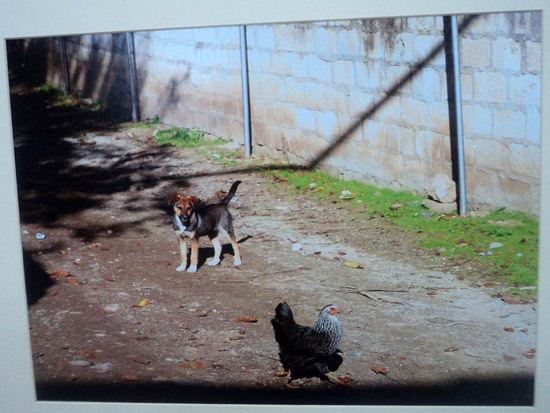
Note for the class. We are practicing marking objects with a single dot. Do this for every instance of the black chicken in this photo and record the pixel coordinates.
(308, 351)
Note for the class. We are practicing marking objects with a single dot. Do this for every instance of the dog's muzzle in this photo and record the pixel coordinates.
(179, 223)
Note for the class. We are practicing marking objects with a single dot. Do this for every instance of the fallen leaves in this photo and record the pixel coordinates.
(353, 265)
(73, 281)
(246, 319)
(59, 273)
(142, 361)
(512, 300)
(236, 338)
(195, 365)
(380, 370)
(88, 354)
(142, 303)
(345, 380)
(129, 377)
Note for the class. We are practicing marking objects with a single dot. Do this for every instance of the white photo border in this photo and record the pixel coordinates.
(38, 18)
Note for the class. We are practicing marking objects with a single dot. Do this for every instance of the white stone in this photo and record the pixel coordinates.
(442, 189)
(446, 208)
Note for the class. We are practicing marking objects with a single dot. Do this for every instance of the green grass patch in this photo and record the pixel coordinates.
(55, 97)
(185, 138)
(467, 239)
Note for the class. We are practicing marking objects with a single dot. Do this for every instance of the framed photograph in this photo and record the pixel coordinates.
(323, 141)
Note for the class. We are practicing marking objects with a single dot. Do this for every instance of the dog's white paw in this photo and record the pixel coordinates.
(213, 262)
(192, 268)
(181, 268)
(236, 263)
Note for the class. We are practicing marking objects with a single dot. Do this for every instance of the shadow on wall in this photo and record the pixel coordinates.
(97, 68)
(104, 75)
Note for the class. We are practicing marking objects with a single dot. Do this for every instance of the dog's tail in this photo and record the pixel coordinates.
(231, 192)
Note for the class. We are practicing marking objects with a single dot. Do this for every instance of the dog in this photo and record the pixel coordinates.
(194, 218)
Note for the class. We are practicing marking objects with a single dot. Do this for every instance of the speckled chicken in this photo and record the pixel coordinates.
(308, 351)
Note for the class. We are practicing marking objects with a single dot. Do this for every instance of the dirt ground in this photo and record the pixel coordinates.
(111, 319)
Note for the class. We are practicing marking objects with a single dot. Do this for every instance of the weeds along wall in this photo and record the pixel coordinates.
(310, 81)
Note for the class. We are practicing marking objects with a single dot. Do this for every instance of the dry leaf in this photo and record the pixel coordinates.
(62, 252)
(509, 329)
(235, 338)
(353, 265)
(142, 361)
(380, 370)
(512, 300)
(450, 349)
(129, 377)
(59, 273)
(304, 268)
(55, 292)
(246, 319)
(345, 380)
(199, 366)
(401, 358)
(432, 292)
(88, 354)
(142, 303)
(142, 338)
(71, 281)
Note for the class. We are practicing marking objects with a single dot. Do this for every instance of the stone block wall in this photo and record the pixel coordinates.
(192, 78)
(310, 81)
(328, 74)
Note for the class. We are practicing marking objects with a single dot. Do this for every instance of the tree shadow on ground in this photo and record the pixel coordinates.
(37, 281)
(50, 187)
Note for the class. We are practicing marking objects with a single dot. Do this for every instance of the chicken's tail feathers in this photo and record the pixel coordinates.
(283, 312)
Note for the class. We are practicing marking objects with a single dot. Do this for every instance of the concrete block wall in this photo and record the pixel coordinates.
(192, 78)
(501, 78)
(321, 77)
(310, 81)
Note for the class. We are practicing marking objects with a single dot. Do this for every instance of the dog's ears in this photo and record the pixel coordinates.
(174, 197)
(194, 200)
